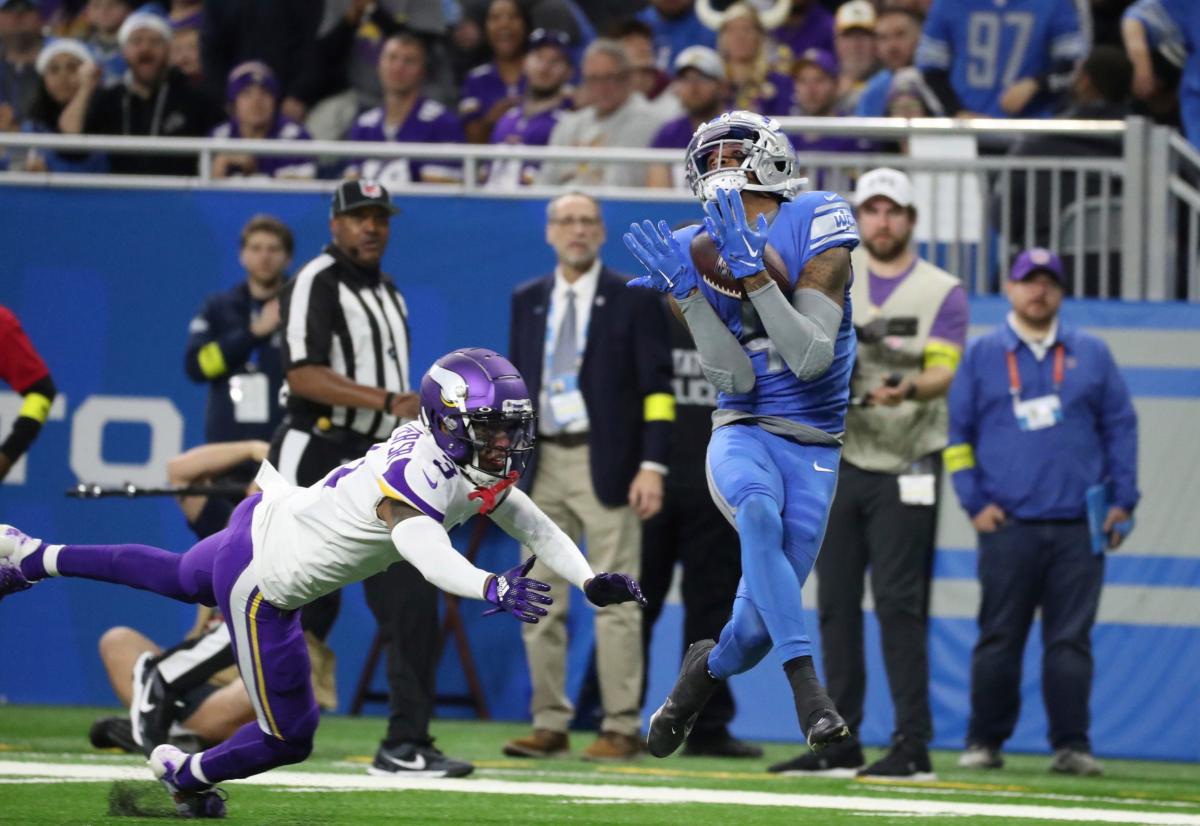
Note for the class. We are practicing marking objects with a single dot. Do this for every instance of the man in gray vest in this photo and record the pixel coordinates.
(913, 319)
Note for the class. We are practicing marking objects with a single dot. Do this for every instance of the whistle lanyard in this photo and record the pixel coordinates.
(1014, 374)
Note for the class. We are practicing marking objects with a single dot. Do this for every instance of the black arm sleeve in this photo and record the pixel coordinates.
(25, 428)
(938, 81)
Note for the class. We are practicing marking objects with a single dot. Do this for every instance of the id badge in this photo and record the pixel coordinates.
(1039, 413)
(918, 489)
(250, 393)
(566, 401)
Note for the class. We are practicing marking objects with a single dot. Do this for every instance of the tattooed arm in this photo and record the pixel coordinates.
(803, 332)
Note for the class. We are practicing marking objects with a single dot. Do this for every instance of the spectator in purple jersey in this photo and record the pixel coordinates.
(405, 116)
(809, 25)
(494, 88)
(700, 84)
(816, 76)
(548, 71)
(252, 95)
(742, 42)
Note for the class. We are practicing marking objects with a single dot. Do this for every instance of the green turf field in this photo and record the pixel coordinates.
(50, 775)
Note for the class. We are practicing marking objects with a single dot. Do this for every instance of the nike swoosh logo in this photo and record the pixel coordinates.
(146, 707)
(416, 764)
(749, 247)
(433, 484)
(817, 467)
(832, 197)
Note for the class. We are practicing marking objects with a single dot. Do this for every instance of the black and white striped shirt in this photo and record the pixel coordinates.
(337, 314)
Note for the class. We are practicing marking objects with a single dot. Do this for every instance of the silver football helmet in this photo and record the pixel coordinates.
(765, 153)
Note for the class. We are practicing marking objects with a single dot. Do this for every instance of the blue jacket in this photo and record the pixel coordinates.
(220, 345)
(1040, 474)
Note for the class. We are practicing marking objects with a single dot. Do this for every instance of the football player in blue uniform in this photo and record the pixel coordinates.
(1003, 59)
(781, 360)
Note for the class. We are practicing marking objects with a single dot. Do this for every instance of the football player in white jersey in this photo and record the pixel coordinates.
(288, 546)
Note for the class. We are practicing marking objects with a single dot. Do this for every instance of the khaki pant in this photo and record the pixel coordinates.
(563, 490)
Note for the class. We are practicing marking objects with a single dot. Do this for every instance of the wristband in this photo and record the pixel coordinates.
(388, 398)
(911, 392)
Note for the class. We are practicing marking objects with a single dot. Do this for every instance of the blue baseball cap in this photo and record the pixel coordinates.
(1035, 260)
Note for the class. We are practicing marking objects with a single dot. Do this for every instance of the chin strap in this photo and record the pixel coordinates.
(489, 495)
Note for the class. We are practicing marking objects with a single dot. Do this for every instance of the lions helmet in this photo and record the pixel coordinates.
(478, 408)
(767, 163)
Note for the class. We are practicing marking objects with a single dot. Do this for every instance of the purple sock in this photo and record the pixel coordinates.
(32, 566)
(138, 566)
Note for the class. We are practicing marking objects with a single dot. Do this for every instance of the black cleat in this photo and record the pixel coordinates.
(829, 728)
(153, 709)
(907, 759)
(113, 733)
(720, 745)
(842, 759)
(672, 722)
(417, 760)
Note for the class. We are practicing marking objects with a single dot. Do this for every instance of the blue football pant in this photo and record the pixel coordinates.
(777, 494)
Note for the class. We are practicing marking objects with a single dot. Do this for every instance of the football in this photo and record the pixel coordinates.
(715, 271)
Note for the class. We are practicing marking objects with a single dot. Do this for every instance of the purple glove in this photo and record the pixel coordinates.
(613, 589)
(515, 593)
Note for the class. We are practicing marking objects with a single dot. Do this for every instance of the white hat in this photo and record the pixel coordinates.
(856, 14)
(886, 182)
(143, 20)
(62, 45)
(703, 59)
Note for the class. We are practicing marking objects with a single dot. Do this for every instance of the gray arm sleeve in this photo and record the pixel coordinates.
(804, 334)
(722, 358)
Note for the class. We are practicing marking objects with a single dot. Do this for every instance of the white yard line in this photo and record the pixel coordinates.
(65, 772)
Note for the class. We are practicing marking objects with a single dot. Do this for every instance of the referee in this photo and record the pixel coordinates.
(345, 356)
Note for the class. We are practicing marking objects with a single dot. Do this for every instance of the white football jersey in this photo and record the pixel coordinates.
(311, 541)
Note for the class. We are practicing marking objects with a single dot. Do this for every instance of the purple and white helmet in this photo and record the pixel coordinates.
(477, 407)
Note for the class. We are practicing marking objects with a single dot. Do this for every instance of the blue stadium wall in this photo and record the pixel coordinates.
(106, 281)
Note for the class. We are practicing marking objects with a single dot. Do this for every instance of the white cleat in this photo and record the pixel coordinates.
(165, 762)
(16, 545)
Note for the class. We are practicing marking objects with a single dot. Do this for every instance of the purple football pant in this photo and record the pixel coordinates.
(268, 642)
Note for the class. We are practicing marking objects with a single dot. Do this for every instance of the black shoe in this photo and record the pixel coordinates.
(722, 744)
(673, 721)
(417, 760)
(907, 759)
(828, 729)
(113, 733)
(838, 760)
(153, 708)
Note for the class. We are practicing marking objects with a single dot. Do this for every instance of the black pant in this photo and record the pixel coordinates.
(403, 602)
(1024, 566)
(690, 530)
(870, 529)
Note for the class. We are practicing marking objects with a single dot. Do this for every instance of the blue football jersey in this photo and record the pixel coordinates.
(802, 229)
(986, 45)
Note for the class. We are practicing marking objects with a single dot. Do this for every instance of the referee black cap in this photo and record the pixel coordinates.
(352, 195)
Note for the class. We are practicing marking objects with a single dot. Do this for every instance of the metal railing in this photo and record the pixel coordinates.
(1127, 225)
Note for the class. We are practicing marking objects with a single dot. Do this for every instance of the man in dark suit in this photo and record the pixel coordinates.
(597, 357)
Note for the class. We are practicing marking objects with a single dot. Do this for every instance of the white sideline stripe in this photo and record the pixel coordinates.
(639, 794)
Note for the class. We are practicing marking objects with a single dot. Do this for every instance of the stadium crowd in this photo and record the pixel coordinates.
(578, 73)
